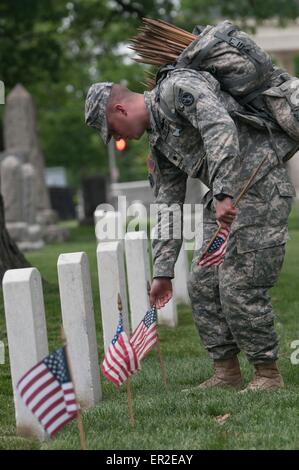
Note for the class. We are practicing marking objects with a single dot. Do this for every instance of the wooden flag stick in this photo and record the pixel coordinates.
(119, 304)
(130, 402)
(128, 381)
(159, 42)
(248, 184)
(78, 412)
(239, 197)
(162, 367)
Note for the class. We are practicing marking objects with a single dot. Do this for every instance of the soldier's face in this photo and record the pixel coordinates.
(123, 123)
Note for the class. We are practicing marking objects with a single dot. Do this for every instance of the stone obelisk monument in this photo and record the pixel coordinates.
(30, 212)
(20, 139)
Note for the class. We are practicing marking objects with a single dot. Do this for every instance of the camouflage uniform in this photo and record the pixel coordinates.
(209, 138)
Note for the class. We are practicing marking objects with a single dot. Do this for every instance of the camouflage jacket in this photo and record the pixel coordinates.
(205, 135)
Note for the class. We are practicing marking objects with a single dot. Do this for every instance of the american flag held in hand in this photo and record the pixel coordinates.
(215, 254)
(145, 335)
(120, 359)
(48, 392)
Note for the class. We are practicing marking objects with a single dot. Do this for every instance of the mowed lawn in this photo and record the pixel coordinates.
(166, 418)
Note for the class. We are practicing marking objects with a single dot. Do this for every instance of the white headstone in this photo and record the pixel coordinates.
(112, 281)
(2, 353)
(79, 325)
(136, 247)
(168, 314)
(181, 275)
(27, 337)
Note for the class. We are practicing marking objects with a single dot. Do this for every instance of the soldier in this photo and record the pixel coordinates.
(197, 130)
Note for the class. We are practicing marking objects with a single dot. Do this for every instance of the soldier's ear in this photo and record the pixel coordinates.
(120, 108)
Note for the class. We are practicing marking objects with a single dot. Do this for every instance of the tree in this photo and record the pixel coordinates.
(205, 11)
(58, 49)
(25, 34)
(51, 48)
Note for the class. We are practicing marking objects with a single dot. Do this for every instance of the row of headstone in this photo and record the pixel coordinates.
(25, 315)
(110, 226)
(26, 323)
(113, 228)
(27, 331)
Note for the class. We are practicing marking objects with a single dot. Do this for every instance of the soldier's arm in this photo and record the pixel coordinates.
(170, 195)
(197, 101)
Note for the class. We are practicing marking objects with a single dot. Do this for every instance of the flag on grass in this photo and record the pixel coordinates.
(144, 337)
(216, 252)
(48, 392)
(120, 359)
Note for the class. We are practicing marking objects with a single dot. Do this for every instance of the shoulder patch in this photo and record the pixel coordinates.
(186, 98)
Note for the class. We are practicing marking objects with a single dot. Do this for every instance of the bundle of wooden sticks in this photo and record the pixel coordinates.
(159, 43)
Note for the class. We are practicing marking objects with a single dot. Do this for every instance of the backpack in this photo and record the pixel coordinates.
(243, 69)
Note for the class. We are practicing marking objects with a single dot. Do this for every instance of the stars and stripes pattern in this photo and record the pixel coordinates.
(145, 335)
(216, 252)
(120, 359)
(48, 392)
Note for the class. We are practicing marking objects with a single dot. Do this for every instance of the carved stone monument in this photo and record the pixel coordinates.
(29, 204)
(18, 183)
(20, 138)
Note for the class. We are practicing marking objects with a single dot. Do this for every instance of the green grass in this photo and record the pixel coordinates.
(166, 418)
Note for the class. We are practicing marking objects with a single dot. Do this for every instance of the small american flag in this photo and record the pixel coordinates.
(120, 359)
(145, 335)
(216, 252)
(48, 392)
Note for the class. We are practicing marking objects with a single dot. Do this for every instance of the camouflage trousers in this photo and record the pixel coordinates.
(231, 306)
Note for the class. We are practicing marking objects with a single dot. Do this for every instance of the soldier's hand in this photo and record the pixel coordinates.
(161, 292)
(225, 211)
